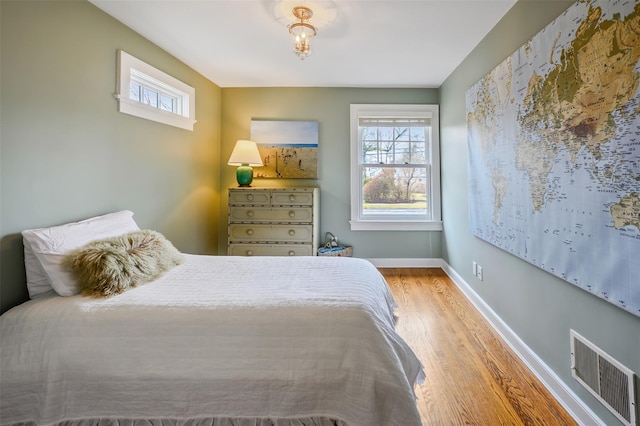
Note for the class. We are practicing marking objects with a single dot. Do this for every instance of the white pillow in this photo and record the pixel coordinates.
(44, 249)
(37, 281)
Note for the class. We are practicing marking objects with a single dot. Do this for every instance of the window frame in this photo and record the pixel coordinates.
(432, 162)
(131, 69)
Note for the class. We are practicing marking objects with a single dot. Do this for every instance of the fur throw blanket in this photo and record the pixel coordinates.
(108, 267)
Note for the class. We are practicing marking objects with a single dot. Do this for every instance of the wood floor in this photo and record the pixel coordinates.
(473, 377)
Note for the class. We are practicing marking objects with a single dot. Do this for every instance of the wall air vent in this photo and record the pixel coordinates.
(608, 380)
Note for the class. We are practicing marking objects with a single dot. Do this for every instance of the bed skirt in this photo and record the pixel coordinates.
(235, 421)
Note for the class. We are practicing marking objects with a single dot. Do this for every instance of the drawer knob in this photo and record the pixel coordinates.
(250, 197)
(249, 253)
(292, 232)
(292, 214)
(292, 197)
(292, 253)
(249, 231)
(250, 213)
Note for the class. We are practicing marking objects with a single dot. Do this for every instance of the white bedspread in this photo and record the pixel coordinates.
(218, 340)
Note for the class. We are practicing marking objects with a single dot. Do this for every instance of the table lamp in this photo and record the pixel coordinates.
(245, 154)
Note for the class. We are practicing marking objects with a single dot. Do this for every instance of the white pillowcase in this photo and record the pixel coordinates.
(44, 249)
(37, 281)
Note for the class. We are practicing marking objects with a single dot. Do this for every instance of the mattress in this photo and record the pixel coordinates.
(218, 340)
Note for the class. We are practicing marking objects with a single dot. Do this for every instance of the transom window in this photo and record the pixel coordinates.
(141, 91)
(146, 92)
(395, 174)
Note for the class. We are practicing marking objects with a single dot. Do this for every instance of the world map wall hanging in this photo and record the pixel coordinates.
(554, 151)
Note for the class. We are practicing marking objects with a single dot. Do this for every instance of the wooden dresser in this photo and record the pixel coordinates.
(273, 221)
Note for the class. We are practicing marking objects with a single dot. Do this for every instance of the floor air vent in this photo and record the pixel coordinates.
(607, 379)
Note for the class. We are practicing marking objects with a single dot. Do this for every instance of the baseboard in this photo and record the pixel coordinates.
(407, 263)
(565, 396)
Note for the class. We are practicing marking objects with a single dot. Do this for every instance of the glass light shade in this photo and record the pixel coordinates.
(245, 154)
(302, 47)
(302, 31)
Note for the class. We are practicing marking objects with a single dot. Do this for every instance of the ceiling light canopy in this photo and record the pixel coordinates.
(302, 31)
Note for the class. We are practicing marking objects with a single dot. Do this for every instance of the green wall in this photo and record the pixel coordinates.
(330, 107)
(67, 153)
(539, 307)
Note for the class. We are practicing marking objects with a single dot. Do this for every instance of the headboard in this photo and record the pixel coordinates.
(13, 281)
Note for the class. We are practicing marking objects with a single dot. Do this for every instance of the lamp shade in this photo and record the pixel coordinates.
(245, 153)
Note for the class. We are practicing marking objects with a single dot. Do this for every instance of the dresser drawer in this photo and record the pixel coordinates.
(247, 232)
(291, 198)
(270, 250)
(250, 197)
(264, 214)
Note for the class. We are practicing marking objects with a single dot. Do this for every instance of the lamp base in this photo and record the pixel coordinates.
(244, 175)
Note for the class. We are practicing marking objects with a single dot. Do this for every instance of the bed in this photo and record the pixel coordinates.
(215, 340)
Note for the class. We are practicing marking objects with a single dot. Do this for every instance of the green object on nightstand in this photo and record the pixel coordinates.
(244, 175)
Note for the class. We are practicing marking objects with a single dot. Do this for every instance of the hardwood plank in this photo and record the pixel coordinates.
(473, 377)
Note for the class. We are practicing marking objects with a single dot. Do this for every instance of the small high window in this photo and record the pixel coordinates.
(147, 92)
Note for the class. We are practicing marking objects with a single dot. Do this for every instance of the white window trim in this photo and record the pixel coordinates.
(387, 110)
(130, 68)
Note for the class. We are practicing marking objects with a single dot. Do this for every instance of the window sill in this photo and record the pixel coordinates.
(389, 225)
(154, 114)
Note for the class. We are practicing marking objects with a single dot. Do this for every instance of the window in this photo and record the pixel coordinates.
(147, 92)
(395, 173)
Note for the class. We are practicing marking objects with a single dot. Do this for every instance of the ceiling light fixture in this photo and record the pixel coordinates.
(302, 31)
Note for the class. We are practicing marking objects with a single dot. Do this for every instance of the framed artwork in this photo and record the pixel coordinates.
(289, 149)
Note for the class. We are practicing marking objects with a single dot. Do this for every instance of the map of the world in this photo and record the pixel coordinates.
(554, 151)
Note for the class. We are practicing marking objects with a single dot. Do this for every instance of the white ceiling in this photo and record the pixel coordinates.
(360, 43)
